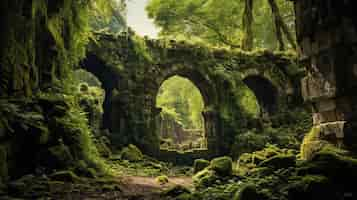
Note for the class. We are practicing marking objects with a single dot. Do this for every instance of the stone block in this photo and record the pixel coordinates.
(325, 105)
(333, 129)
(316, 88)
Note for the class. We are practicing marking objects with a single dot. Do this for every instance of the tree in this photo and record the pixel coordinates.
(280, 26)
(247, 37)
(245, 24)
(114, 22)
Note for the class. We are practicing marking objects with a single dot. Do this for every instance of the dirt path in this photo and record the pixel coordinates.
(136, 187)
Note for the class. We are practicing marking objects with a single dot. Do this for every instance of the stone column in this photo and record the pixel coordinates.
(326, 33)
(211, 132)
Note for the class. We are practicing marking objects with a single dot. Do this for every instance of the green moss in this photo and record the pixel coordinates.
(65, 176)
(60, 156)
(279, 161)
(176, 191)
(205, 178)
(163, 179)
(311, 143)
(131, 153)
(200, 164)
(247, 192)
(222, 165)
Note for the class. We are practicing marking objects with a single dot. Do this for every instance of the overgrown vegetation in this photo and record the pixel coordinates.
(245, 24)
(181, 121)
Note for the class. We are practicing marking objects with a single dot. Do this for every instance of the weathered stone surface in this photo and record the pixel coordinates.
(317, 88)
(326, 32)
(213, 71)
(334, 129)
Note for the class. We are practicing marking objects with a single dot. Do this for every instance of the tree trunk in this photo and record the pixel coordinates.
(280, 26)
(247, 39)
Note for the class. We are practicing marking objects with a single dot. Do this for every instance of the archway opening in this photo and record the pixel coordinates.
(181, 125)
(265, 92)
(91, 98)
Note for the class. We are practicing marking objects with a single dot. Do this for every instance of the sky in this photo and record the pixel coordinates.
(137, 19)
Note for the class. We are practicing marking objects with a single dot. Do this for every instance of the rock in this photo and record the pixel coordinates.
(200, 164)
(311, 187)
(222, 165)
(279, 161)
(162, 179)
(248, 192)
(175, 191)
(65, 176)
(205, 178)
(131, 153)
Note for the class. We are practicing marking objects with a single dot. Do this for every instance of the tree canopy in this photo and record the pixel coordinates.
(243, 24)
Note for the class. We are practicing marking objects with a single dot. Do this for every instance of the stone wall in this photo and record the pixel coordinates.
(132, 69)
(327, 35)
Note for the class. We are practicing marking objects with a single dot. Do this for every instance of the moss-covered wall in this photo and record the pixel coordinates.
(327, 32)
(134, 68)
(41, 123)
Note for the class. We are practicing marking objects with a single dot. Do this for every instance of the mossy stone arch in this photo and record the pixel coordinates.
(278, 87)
(142, 65)
(207, 89)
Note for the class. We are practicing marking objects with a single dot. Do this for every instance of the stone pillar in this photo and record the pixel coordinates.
(327, 36)
(213, 142)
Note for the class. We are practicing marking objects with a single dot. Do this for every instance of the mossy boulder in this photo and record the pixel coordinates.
(222, 165)
(65, 176)
(200, 164)
(311, 187)
(279, 161)
(248, 192)
(162, 179)
(205, 178)
(131, 153)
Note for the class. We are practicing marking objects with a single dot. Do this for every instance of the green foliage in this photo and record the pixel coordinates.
(205, 178)
(180, 98)
(115, 22)
(248, 101)
(218, 22)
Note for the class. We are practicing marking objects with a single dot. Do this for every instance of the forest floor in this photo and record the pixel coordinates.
(136, 187)
(119, 188)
